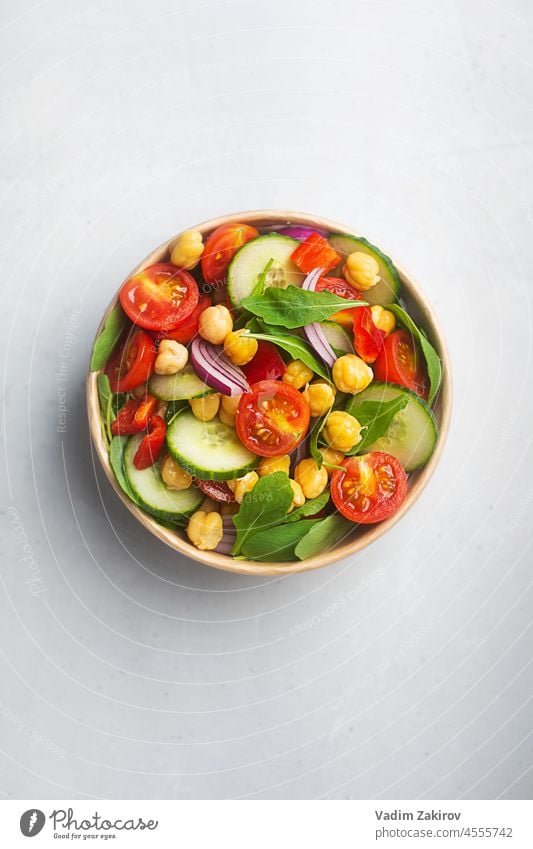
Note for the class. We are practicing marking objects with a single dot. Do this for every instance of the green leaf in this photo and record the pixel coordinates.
(116, 458)
(104, 391)
(263, 507)
(259, 287)
(267, 546)
(174, 408)
(431, 357)
(107, 338)
(295, 307)
(323, 535)
(314, 505)
(296, 347)
(376, 417)
(313, 442)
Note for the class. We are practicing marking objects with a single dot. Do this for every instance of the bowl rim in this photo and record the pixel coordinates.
(350, 546)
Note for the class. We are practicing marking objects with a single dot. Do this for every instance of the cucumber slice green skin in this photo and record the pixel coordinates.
(178, 387)
(388, 289)
(152, 495)
(250, 261)
(209, 450)
(413, 434)
(338, 337)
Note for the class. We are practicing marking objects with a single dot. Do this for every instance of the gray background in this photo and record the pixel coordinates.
(130, 672)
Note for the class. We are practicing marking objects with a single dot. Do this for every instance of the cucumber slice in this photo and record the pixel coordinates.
(412, 434)
(151, 493)
(250, 261)
(177, 387)
(338, 337)
(210, 450)
(388, 289)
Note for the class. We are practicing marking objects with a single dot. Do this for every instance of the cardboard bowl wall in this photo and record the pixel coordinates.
(361, 536)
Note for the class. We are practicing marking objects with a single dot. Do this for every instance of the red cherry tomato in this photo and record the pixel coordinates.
(133, 416)
(266, 365)
(150, 446)
(217, 490)
(315, 252)
(401, 361)
(272, 419)
(221, 247)
(367, 338)
(370, 488)
(340, 287)
(132, 363)
(186, 332)
(160, 297)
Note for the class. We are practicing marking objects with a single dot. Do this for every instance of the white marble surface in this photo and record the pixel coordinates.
(129, 672)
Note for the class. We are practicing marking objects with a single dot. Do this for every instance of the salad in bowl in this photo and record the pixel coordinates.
(268, 392)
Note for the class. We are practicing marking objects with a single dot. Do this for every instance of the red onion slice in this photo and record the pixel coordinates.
(213, 367)
(313, 332)
(301, 232)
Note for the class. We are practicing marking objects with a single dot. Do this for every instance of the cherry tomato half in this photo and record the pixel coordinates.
(160, 297)
(186, 332)
(221, 247)
(370, 488)
(150, 445)
(266, 365)
(272, 419)
(367, 338)
(401, 361)
(340, 287)
(132, 363)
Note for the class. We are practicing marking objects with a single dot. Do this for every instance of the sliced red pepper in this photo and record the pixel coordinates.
(339, 286)
(315, 252)
(266, 365)
(133, 416)
(151, 444)
(367, 338)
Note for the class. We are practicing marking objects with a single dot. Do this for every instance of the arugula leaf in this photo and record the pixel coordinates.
(431, 357)
(313, 442)
(314, 505)
(267, 546)
(296, 347)
(104, 391)
(263, 507)
(376, 417)
(295, 307)
(107, 338)
(323, 535)
(259, 287)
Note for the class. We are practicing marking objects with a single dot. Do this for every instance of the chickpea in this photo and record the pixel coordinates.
(312, 480)
(351, 374)
(228, 409)
(174, 476)
(187, 249)
(320, 396)
(361, 270)
(297, 374)
(171, 357)
(240, 347)
(342, 431)
(298, 498)
(215, 323)
(269, 465)
(240, 486)
(205, 530)
(331, 458)
(205, 408)
(383, 319)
